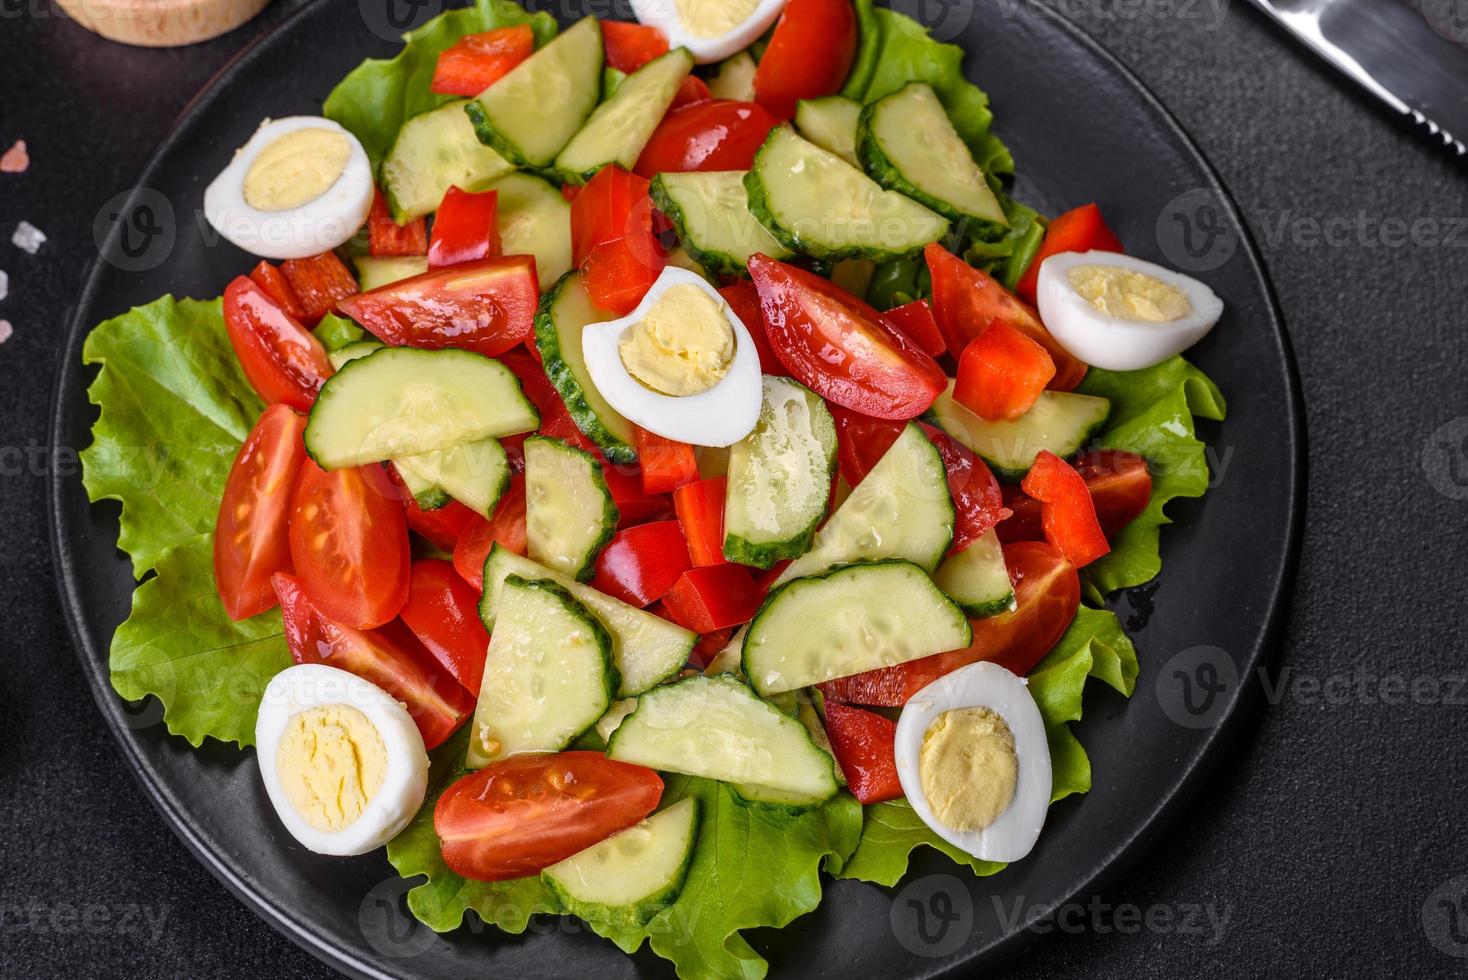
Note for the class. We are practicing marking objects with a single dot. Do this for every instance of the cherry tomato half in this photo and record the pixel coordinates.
(443, 612)
(718, 134)
(809, 55)
(281, 359)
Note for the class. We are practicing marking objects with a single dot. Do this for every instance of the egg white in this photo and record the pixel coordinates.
(319, 225)
(982, 685)
(404, 783)
(1111, 342)
(720, 416)
(663, 14)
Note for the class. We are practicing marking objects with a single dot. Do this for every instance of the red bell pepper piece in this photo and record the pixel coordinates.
(1120, 488)
(443, 612)
(713, 597)
(700, 509)
(386, 237)
(861, 441)
(966, 300)
(865, 747)
(1081, 229)
(613, 239)
(809, 54)
(634, 505)
(441, 526)
(708, 647)
(465, 228)
(978, 501)
(1001, 373)
(666, 464)
(693, 89)
(281, 359)
(640, 564)
(320, 283)
(743, 299)
(629, 46)
(474, 63)
(1067, 513)
(707, 134)
(915, 319)
(618, 274)
(278, 288)
(506, 529)
(555, 420)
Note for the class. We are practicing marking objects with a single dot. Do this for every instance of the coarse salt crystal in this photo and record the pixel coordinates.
(15, 160)
(28, 238)
(4, 284)
(5, 330)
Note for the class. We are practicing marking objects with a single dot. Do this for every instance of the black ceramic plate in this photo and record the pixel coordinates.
(1081, 128)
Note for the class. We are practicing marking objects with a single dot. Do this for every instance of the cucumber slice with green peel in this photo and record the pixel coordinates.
(646, 648)
(615, 715)
(779, 476)
(476, 474)
(735, 78)
(715, 727)
(907, 144)
(900, 509)
(830, 123)
(1060, 421)
(679, 258)
(548, 676)
(710, 212)
(619, 128)
(531, 113)
(426, 494)
(849, 620)
(977, 579)
(623, 881)
(535, 219)
(402, 401)
(816, 203)
(569, 513)
(436, 150)
(565, 311)
(351, 352)
(374, 271)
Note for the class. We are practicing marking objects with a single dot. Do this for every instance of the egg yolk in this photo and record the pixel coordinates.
(968, 767)
(331, 762)
(683, 346)
(710, 18)
(1128, 295)
(296, 168)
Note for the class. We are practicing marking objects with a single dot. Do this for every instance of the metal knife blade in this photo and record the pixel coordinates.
(1390, 49)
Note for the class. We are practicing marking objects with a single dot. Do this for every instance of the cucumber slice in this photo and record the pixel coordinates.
(615, 715)
(351, 352)
(565, 311)
(548, 676)
(475, 473)
(623, 881)
(901, 509)
(908, 144)
(535, 219)
(436, 150)
(646, 648)
(620, 127)
(830, 123)
(819, 204)
(779, 476)
(679, 258)
(977, 579)
(716, 728)
(735, 78)
(1060, 421)
(852, 619)
(711, 214)
(535, 109)
(401, 401)
(426, 494)
(569, 514)
(382, 270)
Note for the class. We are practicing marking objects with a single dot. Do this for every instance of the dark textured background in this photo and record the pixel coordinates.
(1332, 840)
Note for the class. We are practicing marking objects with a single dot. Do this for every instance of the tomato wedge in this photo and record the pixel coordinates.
(486, 306)
(865, 747)
(1047, 594)
(840, 347)
(443, 612)
(693, 89)
(861, 441)
(1120, 488)
(1080, 229)
(480, 536)
(978, 501)
(629, 46)
(251, 541)
(808, 56)
(743, 299)
(389, 657)
(281, 359)
(349, 543)
(477, 61)
(518, 816)
(714, 134)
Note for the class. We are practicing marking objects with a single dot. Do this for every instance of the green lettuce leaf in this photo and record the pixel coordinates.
(379, 95)
(175, 407)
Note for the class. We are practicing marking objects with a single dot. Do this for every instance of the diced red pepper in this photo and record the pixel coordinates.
(713, 597)
(634, 505)
(865, 747)
(629, 46)
(809, 54)
(915, 319)
(706, 134)
(278, 288)
(613, 239)
(1067, 514)
(700, 509)
(320, 283)
(1001, 373)
(978, 502)
(743, 299)
(1081, 229)
(465, 228)
(1120, 488)
(386, 237)
(443, 612)
(555, 419)
(618, 274)
(640, 564)
(507, 529)
(477, 61)
(666, 464)
(692, 90)
(708, 647)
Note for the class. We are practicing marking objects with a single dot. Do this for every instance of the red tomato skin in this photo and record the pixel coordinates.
(840, 347)
(280, 357)
(629, 46)
(713, 597)
(809, 55)
(915, 319)
(319, 282)
(386, 237)
(278, 288)
(1001, 372)
(480, 536)
(865, 748)
(640, 564)
(692, 90)
(743, 299)
(443, 612)
(477, 61)
(708, 134)
(1080, 229)
(465, 228)
(555, 420)
(861, 442)
(251, 536)
(1120, 485)
(518, 816)
(978, 500)
(1067, 513)
(362, 581)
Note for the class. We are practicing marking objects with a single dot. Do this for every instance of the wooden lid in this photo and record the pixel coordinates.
(161, 23)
